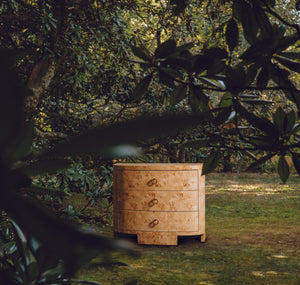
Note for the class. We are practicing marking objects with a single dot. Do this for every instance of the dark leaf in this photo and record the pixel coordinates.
(296, 161)
(262, 78)
(287, 42)
(45, 166)
(226, 100)
(46, 191)
(249, 22)
(260, 123)
(166, 79)
(297, 5)
(141, 89)
(259, 50)
(223, 116)
(216, 52)
(21, 145)
(253, 102)
(235, 77)
(232, 34)
(292, 65)
(11, 107)
(210, 82)
(279, 118)
(100, 140)
(178, 94)
(197, 99)
(165, 49)
(283, 169)
(141, 52)
(251, 74)
(290, 121)
(260, 141)
(266, 29)
(290, 55)
(74, 245)
(260, 161)
(211, 162)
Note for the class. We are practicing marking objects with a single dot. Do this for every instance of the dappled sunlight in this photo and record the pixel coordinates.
(249, 184)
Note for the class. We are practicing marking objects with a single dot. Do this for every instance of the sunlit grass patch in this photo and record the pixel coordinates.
(253, 229)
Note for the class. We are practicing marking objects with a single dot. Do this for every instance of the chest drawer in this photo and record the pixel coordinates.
(157, 180)
(157, 221)
(157, 200)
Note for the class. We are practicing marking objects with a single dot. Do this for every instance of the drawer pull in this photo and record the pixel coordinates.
(152, 182)
(154, 223)
(153, 202)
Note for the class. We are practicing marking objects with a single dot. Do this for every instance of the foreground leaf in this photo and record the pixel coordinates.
(283, 169)
(102, 139)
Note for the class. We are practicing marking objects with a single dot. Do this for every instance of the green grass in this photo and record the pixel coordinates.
(253, 237)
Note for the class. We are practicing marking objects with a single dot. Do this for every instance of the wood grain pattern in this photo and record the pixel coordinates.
(166, 221)
(159, 202)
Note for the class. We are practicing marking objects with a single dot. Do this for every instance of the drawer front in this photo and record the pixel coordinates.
(157, 200)
(157, 221)
(157, 180)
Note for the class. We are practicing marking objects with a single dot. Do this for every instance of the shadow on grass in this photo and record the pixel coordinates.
(253, 227)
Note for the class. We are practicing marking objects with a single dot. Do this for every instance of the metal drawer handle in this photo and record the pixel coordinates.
(154, 223)
(152, 182)
(153, 202)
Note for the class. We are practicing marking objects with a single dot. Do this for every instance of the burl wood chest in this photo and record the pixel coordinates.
(159, 201)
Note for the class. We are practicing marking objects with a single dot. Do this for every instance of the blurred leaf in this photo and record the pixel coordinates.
(251, 73)
(260, 161)
(290, 121)
(262, 78)
(141, 88)
(197, 99)
(296, 161)
(216, 52)
(260, 123)
(46, 191)
(235, 77)
(211, 162)
(165, 49)
(263, 22)
(178, 94)
(141, 52)
(283, 169)
(259, 50)
(45, 166)
(249, 22)
(100, 140)
(232, 34)
(226, 100)
(279, 118)
(223, 116)
(11, 108)
(210, 82)
(292, 65)
(10, 247)
(21, 145)
(74, 245)
(290, 55)
(178, 6)
(287, 42)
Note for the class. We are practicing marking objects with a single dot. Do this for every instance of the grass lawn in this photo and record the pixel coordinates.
(253, 237)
